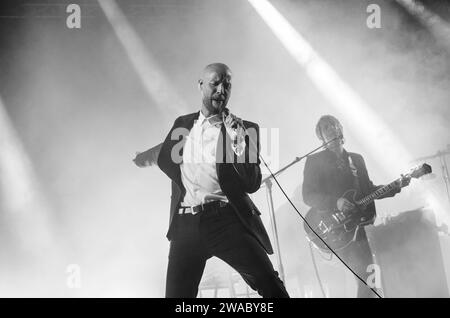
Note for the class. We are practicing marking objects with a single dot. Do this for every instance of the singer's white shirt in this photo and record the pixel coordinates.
(198, 169)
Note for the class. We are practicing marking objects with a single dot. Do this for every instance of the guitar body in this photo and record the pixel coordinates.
(337, 229)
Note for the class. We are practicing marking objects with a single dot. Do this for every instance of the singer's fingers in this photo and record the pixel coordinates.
(235, 124)
(229, 121)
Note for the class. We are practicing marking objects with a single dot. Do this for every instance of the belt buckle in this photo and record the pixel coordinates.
(185, 210)
(195, 212)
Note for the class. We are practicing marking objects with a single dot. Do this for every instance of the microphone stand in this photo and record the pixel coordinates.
(267, 182)
(445, 174)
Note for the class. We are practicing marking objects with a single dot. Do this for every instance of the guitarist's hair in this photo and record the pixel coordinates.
(327, 120)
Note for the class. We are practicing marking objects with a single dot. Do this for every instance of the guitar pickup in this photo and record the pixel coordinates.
(339, 217)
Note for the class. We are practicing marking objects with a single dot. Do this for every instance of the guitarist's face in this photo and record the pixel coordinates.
(330, 132)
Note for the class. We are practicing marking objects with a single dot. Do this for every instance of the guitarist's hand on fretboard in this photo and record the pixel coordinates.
(402, 182)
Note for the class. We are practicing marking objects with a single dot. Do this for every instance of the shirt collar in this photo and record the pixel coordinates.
(212, 120)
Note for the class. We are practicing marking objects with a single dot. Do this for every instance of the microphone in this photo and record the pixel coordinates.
(226, 113)
(238, 137)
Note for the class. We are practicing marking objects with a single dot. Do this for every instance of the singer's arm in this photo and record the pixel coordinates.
(245, 167)
(149, 157)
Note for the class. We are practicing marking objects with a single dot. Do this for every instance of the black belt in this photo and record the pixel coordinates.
(202, 207)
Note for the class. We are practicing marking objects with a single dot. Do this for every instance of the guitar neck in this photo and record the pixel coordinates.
(376, 194)
(414, 173)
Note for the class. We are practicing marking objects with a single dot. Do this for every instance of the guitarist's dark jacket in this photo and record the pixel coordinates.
(325, 181)
(236, 179)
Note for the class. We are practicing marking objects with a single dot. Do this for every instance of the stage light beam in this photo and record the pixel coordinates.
(152, 77)
(434, 23)
(23, 205)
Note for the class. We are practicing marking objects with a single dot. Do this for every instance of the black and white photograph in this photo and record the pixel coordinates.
(225, 149)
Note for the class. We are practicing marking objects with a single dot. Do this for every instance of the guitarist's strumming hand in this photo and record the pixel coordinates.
(344, 205)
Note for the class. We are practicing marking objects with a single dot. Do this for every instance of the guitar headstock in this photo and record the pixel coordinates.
(420, 171)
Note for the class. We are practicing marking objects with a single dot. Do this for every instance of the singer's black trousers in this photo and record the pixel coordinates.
(217, 232)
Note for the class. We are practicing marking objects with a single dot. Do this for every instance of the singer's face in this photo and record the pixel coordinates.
(215, 87)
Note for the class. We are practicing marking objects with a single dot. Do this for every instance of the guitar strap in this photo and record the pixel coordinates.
(354, 171)
(352, 167)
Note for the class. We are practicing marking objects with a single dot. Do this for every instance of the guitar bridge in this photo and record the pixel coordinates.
(323, 227)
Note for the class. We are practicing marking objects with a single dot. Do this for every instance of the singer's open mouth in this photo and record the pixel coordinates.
(218, 101)
(218, 97)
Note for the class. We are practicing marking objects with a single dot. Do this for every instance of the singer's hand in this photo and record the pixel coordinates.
(235, 129)
(231, 121)
(148, 157)
(141, 161)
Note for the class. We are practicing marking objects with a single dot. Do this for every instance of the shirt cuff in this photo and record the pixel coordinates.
(237, 141)
(238, 147)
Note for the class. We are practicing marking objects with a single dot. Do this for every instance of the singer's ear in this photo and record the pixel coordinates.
(200, 83)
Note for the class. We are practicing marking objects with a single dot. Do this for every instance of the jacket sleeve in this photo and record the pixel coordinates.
(312, 189)
(247, 165)
(150, 156)
(171, 149)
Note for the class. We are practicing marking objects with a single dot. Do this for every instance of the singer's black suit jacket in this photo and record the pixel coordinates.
(235, 179)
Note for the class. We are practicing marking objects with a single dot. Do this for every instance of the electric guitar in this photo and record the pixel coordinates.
(338, 229)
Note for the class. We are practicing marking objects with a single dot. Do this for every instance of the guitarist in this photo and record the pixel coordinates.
(327, 175)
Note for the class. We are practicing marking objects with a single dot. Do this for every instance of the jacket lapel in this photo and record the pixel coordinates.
(171, 168)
